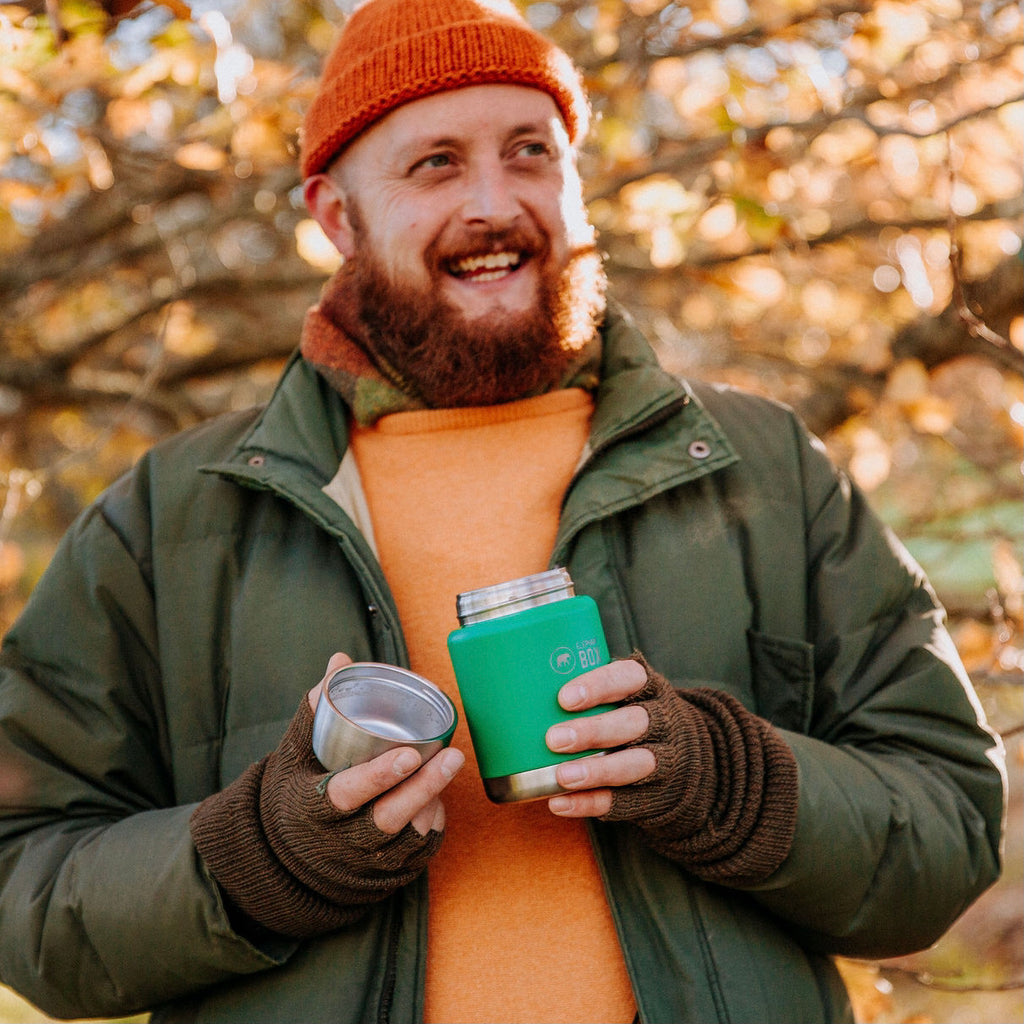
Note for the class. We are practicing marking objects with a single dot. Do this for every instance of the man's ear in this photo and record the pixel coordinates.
(326, 201)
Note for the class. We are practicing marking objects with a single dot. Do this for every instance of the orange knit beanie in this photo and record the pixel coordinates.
(394, 51)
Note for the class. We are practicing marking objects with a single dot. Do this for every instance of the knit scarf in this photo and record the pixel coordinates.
(334, 342)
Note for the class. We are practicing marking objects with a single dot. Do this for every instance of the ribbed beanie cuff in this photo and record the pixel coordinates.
(394, 51)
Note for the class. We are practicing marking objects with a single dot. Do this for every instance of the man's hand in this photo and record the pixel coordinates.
(709, 784)
(403, 796)
(591, 778)
(301, 851)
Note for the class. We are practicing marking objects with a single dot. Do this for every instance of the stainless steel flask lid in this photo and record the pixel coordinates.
(515, 595)
(368, 708)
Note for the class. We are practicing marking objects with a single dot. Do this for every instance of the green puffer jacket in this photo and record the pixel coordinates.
(186, 614)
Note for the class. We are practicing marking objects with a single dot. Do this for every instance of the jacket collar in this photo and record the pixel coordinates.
(303, 431)
(303, 427)
(650, 433)
(633, 387)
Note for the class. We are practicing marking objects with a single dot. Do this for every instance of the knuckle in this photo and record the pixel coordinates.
(595, 803)
(640, 720)
(387, 823)
(630, 673)
(341, 798)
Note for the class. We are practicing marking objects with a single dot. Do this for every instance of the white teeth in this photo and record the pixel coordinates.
(493, 261)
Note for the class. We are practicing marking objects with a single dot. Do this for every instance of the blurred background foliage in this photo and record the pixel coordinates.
(817, 201)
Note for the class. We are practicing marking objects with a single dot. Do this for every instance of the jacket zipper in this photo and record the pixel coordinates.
(387, 996)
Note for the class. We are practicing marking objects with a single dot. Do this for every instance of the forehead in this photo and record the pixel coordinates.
(472, 113)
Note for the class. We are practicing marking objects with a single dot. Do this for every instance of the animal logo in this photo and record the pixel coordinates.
(563, 660)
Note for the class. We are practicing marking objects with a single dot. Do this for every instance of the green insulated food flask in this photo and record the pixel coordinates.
(517, 645)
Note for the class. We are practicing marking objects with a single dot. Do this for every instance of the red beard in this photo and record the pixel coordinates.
(429, 349)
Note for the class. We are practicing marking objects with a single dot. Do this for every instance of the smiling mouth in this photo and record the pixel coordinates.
(490, 266)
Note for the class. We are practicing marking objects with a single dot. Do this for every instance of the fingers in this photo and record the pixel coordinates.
(591, 804)
(429, 818)
(605, 685)
(405, 790)
(403, 795)
(358, 785)
(598, 732)
(416, 800)
(590, 781)
(337, 661)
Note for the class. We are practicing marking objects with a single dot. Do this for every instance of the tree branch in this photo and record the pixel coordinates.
(754, 33)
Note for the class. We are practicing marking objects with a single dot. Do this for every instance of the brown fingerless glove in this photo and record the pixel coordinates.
(287, 857)
(722, 799)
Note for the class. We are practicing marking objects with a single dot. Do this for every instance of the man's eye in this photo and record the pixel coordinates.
(434, 161)
(533, 149)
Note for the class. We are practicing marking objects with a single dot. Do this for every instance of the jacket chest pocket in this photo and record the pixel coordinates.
(782, 679)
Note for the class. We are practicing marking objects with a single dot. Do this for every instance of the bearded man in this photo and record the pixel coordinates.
(788, 760)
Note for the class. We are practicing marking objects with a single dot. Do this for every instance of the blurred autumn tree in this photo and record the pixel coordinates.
(818, 201)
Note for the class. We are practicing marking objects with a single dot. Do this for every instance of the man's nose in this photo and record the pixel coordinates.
(491, 198)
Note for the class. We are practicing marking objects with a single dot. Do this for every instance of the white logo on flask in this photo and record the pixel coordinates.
(563, 660)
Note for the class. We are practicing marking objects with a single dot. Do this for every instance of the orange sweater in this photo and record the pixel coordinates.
(519, 927)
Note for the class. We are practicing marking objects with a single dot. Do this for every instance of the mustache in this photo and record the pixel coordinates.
(528, 241)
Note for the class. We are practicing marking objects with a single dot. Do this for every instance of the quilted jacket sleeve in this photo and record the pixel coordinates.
(90, 834)
(901, 783)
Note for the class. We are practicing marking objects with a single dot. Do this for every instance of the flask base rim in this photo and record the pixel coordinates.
(534, 784)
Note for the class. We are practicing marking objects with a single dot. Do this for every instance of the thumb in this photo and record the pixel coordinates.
(337, 661)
